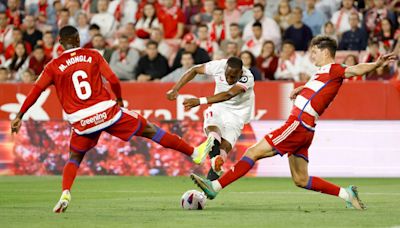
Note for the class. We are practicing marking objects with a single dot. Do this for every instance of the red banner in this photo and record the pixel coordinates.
(356, 100)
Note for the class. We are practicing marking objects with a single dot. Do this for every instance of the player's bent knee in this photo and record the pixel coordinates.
(300, 181)
(254, 153)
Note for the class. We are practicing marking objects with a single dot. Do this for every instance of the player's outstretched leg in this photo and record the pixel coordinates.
(174, 142)
(69, 174)
(258, 151)
(215, 154)
(299, 171)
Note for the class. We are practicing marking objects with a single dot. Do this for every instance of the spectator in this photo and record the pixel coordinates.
(4, 74)
(189, 45)
(63, 18)
(187, 62)
(386, 36)
(206, 16)
(283, 17)
(28, 76)
(104, 19)
(163, 48)
(74, 8)
(249, 62)
(43, 11)
(205, 41)
(231, 13)
(124, 11)
(232, 49)
(5, 32)
(352, 60)
(31, 34)
(307, 67)
(271, 31)
(152, 66)
(2, 60)
(147, 22)
(124, 60)
(267, 62)
(217, 27)
(329, 30)
(134, 42)
(341, 18)
(139, 12)
(93, 31)
(372, 56)
(19, 61)
(14, 15)
(48, 44)
(299, 33)
(99, 43)
(17, 37)
(254, 45)
(373, 17)
(356, 38)
(235, 36)
(194, 8)
(83, 28)
(172, 19)
(288, 64)
(313, 18)
(38, 60)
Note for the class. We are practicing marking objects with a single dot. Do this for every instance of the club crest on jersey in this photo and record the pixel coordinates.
(73, 60)
(98, 118)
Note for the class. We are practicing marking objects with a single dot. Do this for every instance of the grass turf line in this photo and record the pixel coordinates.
(109, 201)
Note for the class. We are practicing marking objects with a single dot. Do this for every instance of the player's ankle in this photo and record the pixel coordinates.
(216, 185)
(344, 194)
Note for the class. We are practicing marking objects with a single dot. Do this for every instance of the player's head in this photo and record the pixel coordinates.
(323, 50)
(233, 70)
(69, 37)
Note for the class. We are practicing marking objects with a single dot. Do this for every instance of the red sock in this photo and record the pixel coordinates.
(320, 185)
(239, 170)
(172, 141)
(69, 174)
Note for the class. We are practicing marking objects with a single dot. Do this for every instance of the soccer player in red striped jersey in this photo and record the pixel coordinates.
(77, 77)
(295, 136)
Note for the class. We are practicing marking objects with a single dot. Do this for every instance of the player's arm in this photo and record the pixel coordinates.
(363, 68)
(187, 77)
(44, 81)
(216, 98)
(110, 76)
(296, 92)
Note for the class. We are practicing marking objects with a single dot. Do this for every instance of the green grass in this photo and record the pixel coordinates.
(155, 202)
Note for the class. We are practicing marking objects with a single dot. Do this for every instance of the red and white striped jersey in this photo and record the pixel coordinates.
(318, 93)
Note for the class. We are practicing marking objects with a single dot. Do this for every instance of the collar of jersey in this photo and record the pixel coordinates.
(71, 50)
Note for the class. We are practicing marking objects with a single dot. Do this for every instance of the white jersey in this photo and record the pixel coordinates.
(240, 105)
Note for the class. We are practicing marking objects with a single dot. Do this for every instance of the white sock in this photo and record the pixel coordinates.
(344, 194)
(216, 185)
(195, 153)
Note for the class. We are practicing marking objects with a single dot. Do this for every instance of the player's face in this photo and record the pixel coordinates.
(317, 55)
(232, 75)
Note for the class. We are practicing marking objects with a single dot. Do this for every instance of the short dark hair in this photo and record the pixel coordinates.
(325, 42)
(68, 32)
(235, 62)
(218, 9)
(152, 42)
(38, 47)
(187, 53)
(234, 25)
(259, 5)
(257, 24)
(94, 26)
(203, 26)
(290, 42)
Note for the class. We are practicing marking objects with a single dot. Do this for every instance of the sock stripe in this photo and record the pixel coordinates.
(73, 161)
(248, 160)
(158, 136)
(309, 184)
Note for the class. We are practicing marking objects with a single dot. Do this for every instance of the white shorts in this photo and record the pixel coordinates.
(228, 123)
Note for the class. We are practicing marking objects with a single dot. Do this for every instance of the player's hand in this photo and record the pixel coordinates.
(172, 94)
(296, 92)
(15, 125)
(120, 102)
(384, 60)
(191, 103)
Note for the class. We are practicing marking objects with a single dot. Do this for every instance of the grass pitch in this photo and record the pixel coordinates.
(107, 201)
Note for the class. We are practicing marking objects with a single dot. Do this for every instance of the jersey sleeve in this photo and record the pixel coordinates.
(338, 71)
(213, 67)
(246, 81)
(46, 78)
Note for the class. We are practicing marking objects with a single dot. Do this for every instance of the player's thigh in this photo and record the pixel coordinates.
(299, 170)
(225, 145)
(129, 125)
(261, 149)
(79, 144)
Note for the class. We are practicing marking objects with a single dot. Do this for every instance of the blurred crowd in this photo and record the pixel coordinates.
(43, 148)
(158, 40)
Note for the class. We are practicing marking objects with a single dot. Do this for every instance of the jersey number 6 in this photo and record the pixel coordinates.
(82, 88)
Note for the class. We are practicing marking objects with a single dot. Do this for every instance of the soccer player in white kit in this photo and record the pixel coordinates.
(232, 105)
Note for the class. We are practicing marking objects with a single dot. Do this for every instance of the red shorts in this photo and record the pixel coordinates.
(292, 139)
(130, 124)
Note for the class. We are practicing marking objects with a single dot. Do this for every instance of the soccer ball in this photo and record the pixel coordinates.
(193, 200)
